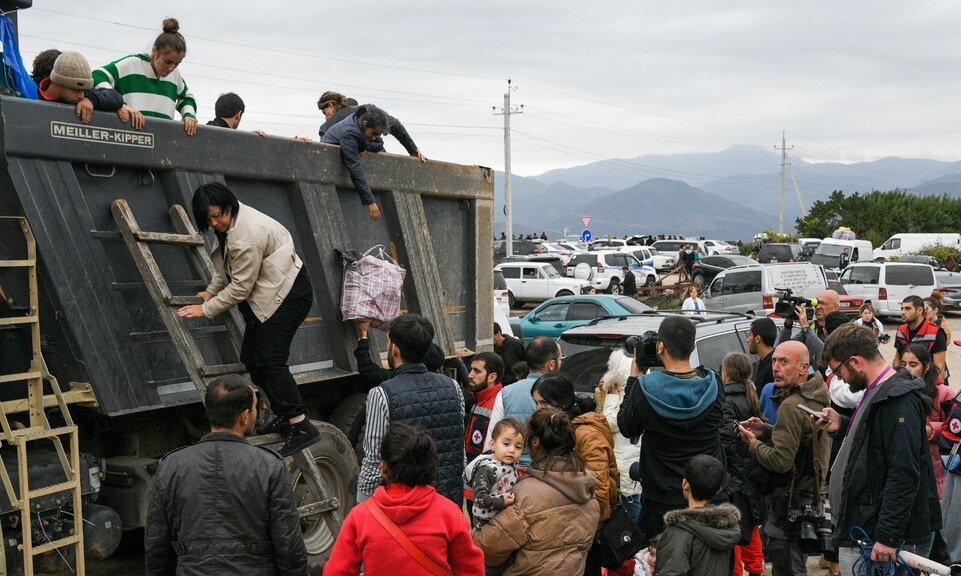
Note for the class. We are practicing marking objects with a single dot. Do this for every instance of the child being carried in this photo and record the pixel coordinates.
(492, 475)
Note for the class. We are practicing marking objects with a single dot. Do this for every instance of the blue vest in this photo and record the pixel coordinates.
(519, 404)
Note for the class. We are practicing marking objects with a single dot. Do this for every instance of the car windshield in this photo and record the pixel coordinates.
(654, 251)
(830, 249)
(632, 305)
(551, 272)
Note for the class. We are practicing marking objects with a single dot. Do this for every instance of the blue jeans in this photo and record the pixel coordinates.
(633, 506)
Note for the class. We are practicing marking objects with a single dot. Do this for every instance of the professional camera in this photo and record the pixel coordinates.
(816, 529)
(646, 347)
(884, 338)
(786, 307)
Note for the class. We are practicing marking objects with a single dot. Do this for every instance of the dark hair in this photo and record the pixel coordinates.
(509, 423)
(170, 38)
(737, 367)
(557, 445)
(228, 105)
(677, 334)
(497, 328)
(931, 370)
(558, 390)
(705, 475)
(410, 454)
(520, 370)
(226, 399)
(43, 64)
(493, 363)
(338, 99)
(213, 194)
(412, 334)
(850, 340)
(765, 329)
(835, 320)
(352, 102)
(374, 118)
(913, 300)
(936, 300)
(540, 351)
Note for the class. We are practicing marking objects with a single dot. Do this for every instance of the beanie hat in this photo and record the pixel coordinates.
(71, 70)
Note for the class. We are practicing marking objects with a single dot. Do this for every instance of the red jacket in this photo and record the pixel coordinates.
(434, 523)
(480, 416)
(926, 335)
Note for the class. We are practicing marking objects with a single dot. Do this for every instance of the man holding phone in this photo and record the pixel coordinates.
(793, 451)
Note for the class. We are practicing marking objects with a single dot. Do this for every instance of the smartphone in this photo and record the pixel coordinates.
(804, 408)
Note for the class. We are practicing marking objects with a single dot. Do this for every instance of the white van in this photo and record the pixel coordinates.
(886, 284)
(755, 289)
(904, 244)
(829, 251)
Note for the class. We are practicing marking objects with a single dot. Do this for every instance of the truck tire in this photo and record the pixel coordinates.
(349, 416)
(334, 457)
(615, 287)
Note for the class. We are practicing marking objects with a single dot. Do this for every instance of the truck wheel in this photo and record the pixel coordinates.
(511, 302)
(334, 457)
(615, 287)
(350, 416)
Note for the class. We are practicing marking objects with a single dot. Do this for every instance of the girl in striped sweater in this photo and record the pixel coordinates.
(150, 84)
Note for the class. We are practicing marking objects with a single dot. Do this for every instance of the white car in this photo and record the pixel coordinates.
(719, 248)
(603, 270)
(501, 299)
(651, 257)
(561, 250)
(536, 282)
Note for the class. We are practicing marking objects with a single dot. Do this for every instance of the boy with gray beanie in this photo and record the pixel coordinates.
(71, 82)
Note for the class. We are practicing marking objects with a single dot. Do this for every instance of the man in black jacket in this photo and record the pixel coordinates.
(254, 528)
(882, 479)
(511, 350)
(629, 286)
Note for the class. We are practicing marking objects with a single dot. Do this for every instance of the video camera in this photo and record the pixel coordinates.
(786, 307)
(646, 347)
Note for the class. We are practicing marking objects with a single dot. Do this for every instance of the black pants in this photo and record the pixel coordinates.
(652, 516)
(266, 347)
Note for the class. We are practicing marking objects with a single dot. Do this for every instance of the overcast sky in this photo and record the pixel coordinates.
(847, 81)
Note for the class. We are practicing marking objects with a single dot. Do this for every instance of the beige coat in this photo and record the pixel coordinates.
(261, 263)
(551, 525)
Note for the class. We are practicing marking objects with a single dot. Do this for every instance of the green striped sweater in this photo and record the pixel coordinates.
(134, 78)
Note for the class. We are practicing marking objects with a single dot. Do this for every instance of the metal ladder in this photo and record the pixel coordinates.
(201, 374)
(39, 429)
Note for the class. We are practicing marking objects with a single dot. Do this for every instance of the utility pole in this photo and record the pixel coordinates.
(786, 164)
(508, 210)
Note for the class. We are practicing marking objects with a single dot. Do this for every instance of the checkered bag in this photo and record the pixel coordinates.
(372, 288)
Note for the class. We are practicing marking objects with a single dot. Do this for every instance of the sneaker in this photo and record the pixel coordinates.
(276, 426)
(299, 436)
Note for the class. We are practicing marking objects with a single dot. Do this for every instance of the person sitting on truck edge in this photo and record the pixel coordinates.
(415, 396)
(254, 529)
(43, 64)
(229, 109)
(70, 82)
(257, 269)
(336, 107)
(151, 84)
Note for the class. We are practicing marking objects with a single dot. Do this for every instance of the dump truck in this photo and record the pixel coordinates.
(96, 253)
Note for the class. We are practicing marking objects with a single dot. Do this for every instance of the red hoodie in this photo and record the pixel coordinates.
(435, 525)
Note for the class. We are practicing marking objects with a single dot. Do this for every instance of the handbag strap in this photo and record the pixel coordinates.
(405, 542)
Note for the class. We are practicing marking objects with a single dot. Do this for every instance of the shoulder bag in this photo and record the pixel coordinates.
(405, 542)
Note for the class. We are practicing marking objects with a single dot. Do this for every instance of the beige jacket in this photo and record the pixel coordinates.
(551, 525)
(261, 263)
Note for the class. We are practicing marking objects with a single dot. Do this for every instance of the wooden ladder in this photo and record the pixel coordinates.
(138, 242)
(39, 428)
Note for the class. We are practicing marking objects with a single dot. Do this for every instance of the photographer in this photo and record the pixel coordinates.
(795, 460)
(679, 411)
(811, 335)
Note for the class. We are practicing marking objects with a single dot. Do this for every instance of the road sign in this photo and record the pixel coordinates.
(586, 236)
(586, 221)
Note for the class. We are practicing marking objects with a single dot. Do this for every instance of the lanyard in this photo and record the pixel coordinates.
(868, 389)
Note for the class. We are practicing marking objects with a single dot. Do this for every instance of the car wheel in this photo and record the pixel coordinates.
(511, 302)
(615, 287)
(564, 293)
(699, 280)
(651, 280)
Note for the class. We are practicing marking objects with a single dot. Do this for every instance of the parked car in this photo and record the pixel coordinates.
(755, 289)
(551, 259)
(610, 243)
(901, 245)
(949, 285)
(500, 292)
(850, 305)
(808, 247)
(559, 314)
(603, 269)
(562, 251)
(671, 247)
(708, 267)
(779, 252)
(588, 346)
(922, 259)
(649, 256)
(536, 282)
(716, 247)
(520, 248)
(886, 284)
(828, 252)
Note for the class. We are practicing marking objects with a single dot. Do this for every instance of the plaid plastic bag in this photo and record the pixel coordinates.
(372, 288)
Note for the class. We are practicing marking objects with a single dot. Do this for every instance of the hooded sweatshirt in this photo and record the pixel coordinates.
(698, 541)
(432, 522)
(679, 415)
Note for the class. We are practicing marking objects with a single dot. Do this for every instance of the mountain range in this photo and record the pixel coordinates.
(731, 194)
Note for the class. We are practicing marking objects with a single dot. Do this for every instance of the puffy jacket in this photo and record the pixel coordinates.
(680, 418)
(595, 444)
(254, 528)
(625, 451)
(888, 484)
(698, 542)
(739, 461)
(551, 524)
(433, 523)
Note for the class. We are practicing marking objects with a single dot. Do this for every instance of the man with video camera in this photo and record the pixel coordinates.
(811, 335)
(793, 457)
(678, 410)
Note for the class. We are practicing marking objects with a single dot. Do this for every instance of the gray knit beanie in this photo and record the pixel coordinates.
(72, 70)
